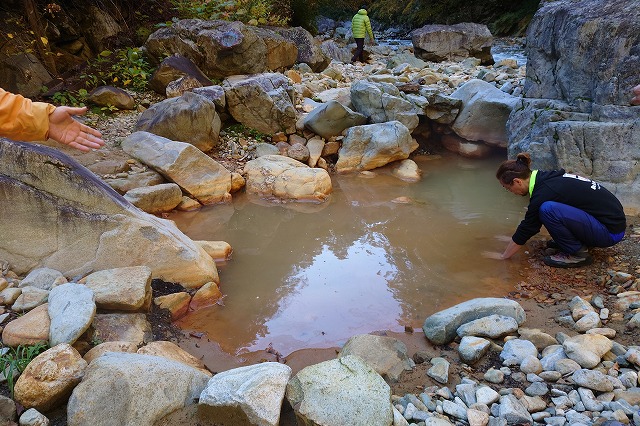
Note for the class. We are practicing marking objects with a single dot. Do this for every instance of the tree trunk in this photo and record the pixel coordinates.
(31, 11)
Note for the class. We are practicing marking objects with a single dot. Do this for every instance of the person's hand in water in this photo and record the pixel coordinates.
(492, 255)
(64, 129)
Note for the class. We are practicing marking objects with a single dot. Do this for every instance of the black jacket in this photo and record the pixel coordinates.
(573, 190)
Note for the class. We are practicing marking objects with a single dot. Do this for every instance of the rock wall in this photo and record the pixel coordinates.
(583, 61)
(584, 51)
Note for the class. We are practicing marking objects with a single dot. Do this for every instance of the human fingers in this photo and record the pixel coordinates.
(492, 255)
(91, 131)
(89, 139)
(74, 110)
(79, 146)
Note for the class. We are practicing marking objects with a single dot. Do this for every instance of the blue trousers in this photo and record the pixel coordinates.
(572, 228)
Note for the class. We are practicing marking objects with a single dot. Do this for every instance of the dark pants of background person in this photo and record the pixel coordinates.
(571, 228)
(359, 55)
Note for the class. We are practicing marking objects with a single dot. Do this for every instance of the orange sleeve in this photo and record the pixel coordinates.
(24, 120)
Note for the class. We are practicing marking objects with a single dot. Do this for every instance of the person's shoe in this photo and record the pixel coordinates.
(552, 245)
(564, 260)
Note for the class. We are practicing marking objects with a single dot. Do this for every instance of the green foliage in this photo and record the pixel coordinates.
(252, 12)
(13, 361)
(239, 130)
(76, 99)
(304, 13)
(504, 17)
(126, 68)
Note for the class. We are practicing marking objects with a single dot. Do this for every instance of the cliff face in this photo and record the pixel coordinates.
(586, 50)
(583, 61)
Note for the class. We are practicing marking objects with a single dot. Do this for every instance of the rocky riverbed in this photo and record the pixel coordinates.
(448, 383)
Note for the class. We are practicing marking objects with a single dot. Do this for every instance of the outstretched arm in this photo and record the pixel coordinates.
(24, 120)
(64, 129)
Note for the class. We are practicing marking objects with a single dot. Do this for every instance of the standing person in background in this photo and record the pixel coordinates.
(578, 213)
(360, 27)
(24, 120)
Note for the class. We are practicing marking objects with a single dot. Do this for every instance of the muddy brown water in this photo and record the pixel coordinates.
(381, 254)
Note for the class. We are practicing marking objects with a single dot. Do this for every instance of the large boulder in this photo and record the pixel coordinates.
(188, 118)
(264, 102)
(484, 113)
(222, 48)
(172, 68)
(196, 173)
(23, 73)
(453, 42)
(374, 145)
(343, 391)
(309, 51)
(132, 389)
(55, 213)
(286, 179)
(557, 135)
(381, 102)
(332, 118)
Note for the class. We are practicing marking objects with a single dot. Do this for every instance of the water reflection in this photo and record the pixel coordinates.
(362, 262)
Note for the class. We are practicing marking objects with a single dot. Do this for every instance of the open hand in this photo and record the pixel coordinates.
(63, 128)
(492, 255)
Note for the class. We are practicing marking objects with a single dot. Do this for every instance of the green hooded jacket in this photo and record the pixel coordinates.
(360, 25)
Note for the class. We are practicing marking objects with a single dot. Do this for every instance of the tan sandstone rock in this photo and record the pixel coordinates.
(49, 379)
(29, 329)
(172, 351)
(105, 347)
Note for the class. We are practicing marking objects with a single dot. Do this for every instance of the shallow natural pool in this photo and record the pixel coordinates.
(382, 254)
